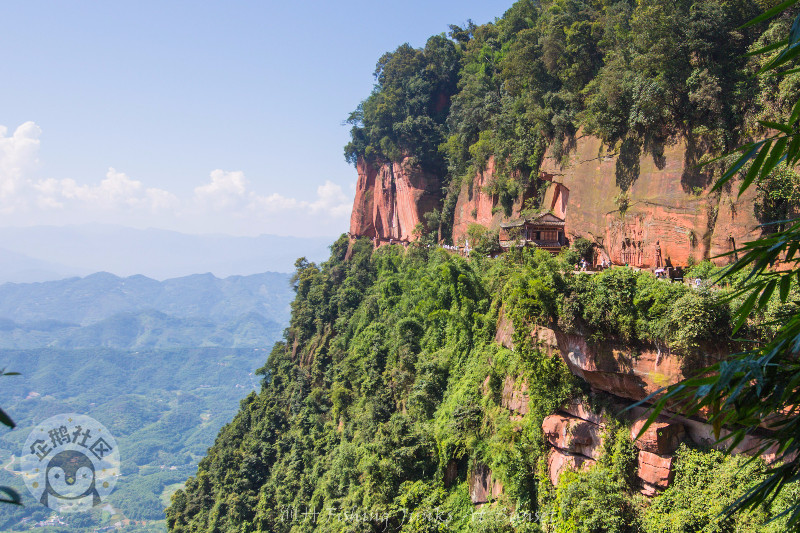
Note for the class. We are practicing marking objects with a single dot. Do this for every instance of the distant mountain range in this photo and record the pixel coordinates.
(146, 330)
(45, 253)
(104, 310)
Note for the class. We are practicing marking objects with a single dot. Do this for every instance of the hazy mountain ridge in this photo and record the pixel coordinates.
(85, 301)
(44, 253)
(148, 329)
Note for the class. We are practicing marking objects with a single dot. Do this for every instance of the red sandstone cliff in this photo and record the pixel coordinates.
(663, 206)
(392, 199)
(475, 206)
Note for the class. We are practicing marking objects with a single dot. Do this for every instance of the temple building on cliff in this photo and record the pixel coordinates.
(544, 230)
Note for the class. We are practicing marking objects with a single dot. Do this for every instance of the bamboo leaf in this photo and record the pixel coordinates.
(776, 126)
(753, 172)
(744, 311)
(743, 159)
(784, 72)
(791, 250)
(794, 32)
(795, 112)
(765, 296)
(786, 284)
(5, 419)
(793, 151)
(784, 57)
(774, 157)
(768, 14)
(768, 48)
(11, 497)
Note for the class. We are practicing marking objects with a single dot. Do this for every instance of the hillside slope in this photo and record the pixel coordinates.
(413, 388)
(98, 296)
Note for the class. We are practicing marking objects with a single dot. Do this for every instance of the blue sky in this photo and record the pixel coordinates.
(194, 116)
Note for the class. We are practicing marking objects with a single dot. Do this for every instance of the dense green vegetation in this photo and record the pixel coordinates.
(386, 394)
(638, 74)
(758, 386)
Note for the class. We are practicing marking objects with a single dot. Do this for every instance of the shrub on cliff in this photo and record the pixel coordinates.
(608, 304)
(579, 249)
(698, 318)
(600, 499)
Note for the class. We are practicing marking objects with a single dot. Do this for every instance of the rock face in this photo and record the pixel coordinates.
(482, 488)
(558, 462)
(504, 335)
(665, 204)
(639, 209)
(661, 437)
(573, 435)
(451, 473)
(576, 443)
(515, 398)
(475, 206)
(391, 200)
(576, 438)
(621, 371)
(655, 470)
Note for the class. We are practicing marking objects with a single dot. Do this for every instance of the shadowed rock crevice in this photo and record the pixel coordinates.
(627, 167)
(695, 176)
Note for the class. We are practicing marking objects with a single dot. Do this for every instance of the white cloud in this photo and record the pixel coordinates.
(229, 191)
(226, 202)
(117, 191)
(18, 159)
(273, 203)
(331, 201)
(226, 190)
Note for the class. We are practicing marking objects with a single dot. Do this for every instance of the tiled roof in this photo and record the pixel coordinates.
(535, 219)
